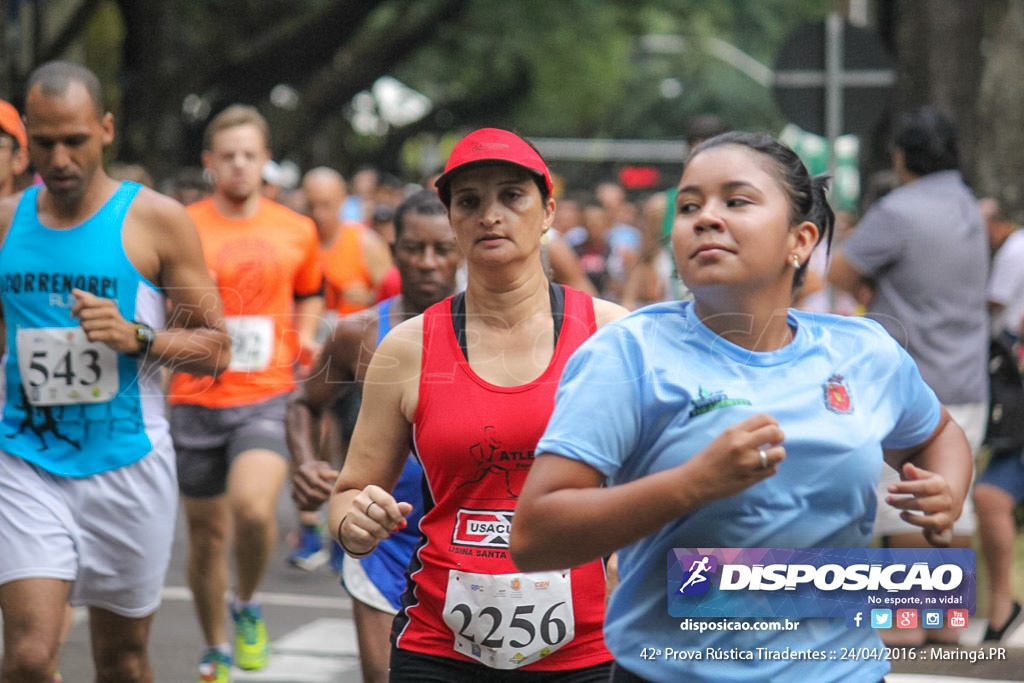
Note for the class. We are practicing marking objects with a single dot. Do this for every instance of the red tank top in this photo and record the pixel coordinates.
(466, 598)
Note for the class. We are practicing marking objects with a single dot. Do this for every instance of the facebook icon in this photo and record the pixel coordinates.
(855, 619)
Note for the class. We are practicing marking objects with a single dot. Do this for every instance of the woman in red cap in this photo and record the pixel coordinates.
(469, 387)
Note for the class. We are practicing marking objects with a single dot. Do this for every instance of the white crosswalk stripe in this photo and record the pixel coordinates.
(182, 593)
(322, 651)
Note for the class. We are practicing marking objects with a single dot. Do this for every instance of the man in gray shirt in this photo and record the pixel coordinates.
(924, 248)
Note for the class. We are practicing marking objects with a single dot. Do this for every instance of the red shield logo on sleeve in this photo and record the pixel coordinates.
(837, 395)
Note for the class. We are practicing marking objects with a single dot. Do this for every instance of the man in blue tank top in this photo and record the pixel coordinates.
(427, 257)
(87, 479)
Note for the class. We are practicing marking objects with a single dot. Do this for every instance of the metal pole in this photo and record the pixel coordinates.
(833, 86)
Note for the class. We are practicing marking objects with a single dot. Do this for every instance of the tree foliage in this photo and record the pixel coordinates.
(569, 68)
(574, 68)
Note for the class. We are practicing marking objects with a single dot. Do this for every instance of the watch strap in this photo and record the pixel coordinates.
(144, 335)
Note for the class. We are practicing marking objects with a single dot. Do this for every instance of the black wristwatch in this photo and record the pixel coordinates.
(144, 335)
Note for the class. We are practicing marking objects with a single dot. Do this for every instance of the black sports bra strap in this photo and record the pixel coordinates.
(556, 294)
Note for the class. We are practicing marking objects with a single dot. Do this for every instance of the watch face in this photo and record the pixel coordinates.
(144, 334)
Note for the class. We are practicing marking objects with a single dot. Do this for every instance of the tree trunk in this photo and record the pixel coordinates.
(939, 62)
(151, 126)
(1001, 106)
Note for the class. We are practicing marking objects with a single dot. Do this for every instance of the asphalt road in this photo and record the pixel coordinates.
(308, 615)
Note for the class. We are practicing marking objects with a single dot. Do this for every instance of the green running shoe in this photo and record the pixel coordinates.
(251, 646)
(214, 667)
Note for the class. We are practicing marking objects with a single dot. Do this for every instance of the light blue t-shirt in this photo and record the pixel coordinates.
(649, 391)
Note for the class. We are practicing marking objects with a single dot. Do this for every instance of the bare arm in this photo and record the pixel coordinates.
(203, 346)
(935, 477)
(380, 444)
(606, 311)
(564, 518)
(196, 340)
(332, 376)
(308, 312)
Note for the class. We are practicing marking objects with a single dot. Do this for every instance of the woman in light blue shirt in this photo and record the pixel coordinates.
(734, 421)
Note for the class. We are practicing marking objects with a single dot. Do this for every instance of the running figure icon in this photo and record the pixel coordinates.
(697, 569)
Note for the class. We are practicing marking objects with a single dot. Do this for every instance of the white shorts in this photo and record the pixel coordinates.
(358, 584)
(972, 418)
(109, 533)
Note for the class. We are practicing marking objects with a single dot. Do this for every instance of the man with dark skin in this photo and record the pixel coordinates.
(355, 261)
(94, 259)
(427, 258)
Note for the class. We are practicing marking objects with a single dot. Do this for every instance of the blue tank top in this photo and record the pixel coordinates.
(387, 564)
(74, 407)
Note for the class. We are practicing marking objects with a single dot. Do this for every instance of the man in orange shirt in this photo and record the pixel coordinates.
(355, 259)
(229, 431)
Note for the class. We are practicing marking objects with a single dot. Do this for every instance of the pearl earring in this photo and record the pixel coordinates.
(795, 261)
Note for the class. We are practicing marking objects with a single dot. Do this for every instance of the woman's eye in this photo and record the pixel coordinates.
(687, 208)
(738, 201)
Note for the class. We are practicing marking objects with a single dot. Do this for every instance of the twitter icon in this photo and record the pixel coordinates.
(881, 618)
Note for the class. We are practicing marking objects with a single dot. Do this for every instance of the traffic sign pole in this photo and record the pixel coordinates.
(833, 86)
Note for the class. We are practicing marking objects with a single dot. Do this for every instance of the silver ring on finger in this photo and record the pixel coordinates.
(367, 510)
(764, 458)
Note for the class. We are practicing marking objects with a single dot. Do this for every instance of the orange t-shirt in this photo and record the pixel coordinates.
(260, 264)
(345, 265)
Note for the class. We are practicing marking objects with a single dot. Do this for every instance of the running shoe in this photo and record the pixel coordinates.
(309, 554)
(214, 667)
(996, 634)
(251, 646)
(337, 557)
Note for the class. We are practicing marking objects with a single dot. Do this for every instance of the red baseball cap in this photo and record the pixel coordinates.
(487, 146)
(10, 123)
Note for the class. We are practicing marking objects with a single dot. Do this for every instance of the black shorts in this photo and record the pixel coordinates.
(415, 667)
(620, 675)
